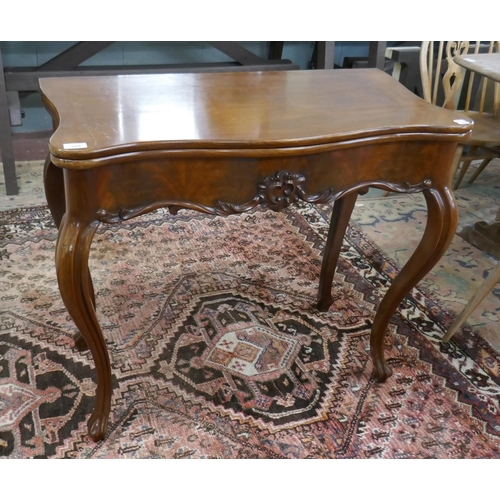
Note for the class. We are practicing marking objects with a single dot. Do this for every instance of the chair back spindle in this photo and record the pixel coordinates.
(446, 84)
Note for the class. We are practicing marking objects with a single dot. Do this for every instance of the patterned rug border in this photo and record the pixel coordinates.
(12, 212)
(467, 339)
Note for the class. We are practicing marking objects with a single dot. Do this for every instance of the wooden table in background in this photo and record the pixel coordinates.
(485, 64)
(484, 235)
(227, 143)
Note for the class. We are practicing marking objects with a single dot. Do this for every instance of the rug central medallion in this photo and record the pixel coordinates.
(255, 359)
(255, 352)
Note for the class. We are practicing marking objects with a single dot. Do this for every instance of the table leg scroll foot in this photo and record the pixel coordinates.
(324, 304)
(439, 230)
(72, 253)
(80, 343)
(342, 210)
(98, 425)
(381, 370)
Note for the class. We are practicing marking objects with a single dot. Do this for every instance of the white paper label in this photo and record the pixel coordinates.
(75, 145)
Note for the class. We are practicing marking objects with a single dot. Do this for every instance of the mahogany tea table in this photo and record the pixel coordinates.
(225, 143)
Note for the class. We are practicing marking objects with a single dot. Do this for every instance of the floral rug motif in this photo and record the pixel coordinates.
(218, 351)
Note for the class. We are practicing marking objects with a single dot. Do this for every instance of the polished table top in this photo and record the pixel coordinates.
(485, 64)
(104, 116)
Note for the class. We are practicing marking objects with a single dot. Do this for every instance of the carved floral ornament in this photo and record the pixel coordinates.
(276, 192)
(280, 190)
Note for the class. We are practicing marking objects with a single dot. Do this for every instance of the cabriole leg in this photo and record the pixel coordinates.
(440, 228)
(53, 180)
(342, 210)
(72, 253)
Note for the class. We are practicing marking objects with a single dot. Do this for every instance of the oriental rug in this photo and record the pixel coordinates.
(218, 351)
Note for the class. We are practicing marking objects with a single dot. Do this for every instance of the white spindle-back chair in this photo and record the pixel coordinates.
(446, 84)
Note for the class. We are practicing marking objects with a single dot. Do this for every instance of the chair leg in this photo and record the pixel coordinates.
(465, 167)
(6, 150)
(481, 167)
(476, 299)
(456, 162)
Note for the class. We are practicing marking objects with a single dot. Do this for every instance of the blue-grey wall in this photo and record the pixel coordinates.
(37, 53)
